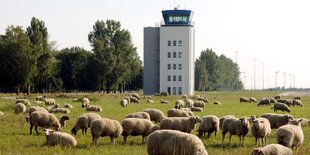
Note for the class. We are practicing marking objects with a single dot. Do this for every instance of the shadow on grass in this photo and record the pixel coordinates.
(227, 145)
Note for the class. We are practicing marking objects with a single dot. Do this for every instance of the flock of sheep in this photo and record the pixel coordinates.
(172, 133)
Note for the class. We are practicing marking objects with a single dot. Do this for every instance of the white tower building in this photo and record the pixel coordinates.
(169, 54)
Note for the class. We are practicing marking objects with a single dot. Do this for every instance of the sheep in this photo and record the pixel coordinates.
(261, 128)
(272, 100)
(253, 99)
(203, 99)
(83, 122)
(67, 105)
(147, 97)
(134, 100)
(189, 103)
(60, 110)
(63, 120)
(43, 119)
(40, 98)
(277, 120)
(189, 111)
(23, 101)
(59, 138)
(223, 118)
(105, 127)
(245, 99)
(234, 126)
(265, 101)
(93, 108)
(49, 101)
(162, 101)
(37, 102)
(288, 102)
(124, 102)
(50, 108)
(184, 96)
(290, 135)
(198, 109)
(304, 121)
(155, 114)
(33, 108)
(128, 99)
(150, 101)
(297, 98)
(210, 123)
(277, 97)
(281, 106)
(142, 115)
(1, 113)
(136, 127)
(172, 142)
(184, 124)
(297, 102)
(199, 104)
(272, 149)
(179, 104)
(85, 102)
(135, 95)
(217, 102)
(19, 108)
(177, 113)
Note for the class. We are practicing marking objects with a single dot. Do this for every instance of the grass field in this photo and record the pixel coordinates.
(15, 137)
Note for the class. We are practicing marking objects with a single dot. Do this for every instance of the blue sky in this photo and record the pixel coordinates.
(275, 33)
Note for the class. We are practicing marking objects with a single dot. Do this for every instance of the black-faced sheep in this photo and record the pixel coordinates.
(83, 122)
(63, 120)
(209, 124)
(272, 149)
(277, 120)
(59, 138)
(261, 129)
(290, 135)
(155, 114)
(234, 126)
(281, 106)
(265, 101)
(184, 124)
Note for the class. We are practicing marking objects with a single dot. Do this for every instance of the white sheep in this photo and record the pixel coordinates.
(290, 135)
(245, 99)
(184, 124)
(19, 108)
(304, 121)
(200, 104)
(23, 101)
(189, 111)
(93, 108)
(1, 113)
(277, 120)
(272, 149)
(179, 104)
(135, 95)
(137, 127)
(67, 105)
(50, 108)
(210, 123)
(60, 110)
(177, 113)
(234, 126)
(281, 106)
(33, 108)
(162, 101)
(204, 99)
(253, 99)
(150, 101)
(49, 101)
(134, 100)
(261, 128)
(123, 102)
(40, 98)
(43, 119)
(83, 122)
(105, 127)
(223, 118)
(172, 142)
(297, 102)
(59, 138)
(142, 115)
(217, 102)
(155, 114)
(264, 101)
(85, 102)
(198, 109)
(189, 103)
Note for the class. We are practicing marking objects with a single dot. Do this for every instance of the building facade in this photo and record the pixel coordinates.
(169, 55)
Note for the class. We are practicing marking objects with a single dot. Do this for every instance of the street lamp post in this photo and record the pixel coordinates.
(275, 80)
(254, 76)
(290, 80)
(284, 80)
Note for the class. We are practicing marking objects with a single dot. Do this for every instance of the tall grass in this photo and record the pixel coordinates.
(15, 137)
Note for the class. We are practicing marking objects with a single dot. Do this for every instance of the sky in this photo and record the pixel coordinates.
(269, 39)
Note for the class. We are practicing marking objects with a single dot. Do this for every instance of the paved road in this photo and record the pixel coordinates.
(295, 94)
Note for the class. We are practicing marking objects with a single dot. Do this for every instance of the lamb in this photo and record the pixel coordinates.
(199, 104)
(124, 102)
(261, 128)
(290, 135)
(234, 126)
(67, 105)
(85, 102)
(33, 108)
(179, 104)
(60, 110)
(50, 108)
(136, 127)
(59, 138)
(223, 118)
(63, 120)
(141, 115)
(210, 123)
(93, 108)
(277, 120)
(297, 102)
(281, 106)
(49, 101)
(253, 99)
(83, 122)
(23, 101)
(245, 99)
(184, 124)
(272, 149)
(199, 109)
(189, 103)
(265, 101)
(177, 113)
(19, 108)
(105, 127)
(162, 101)
(43, 119)
(135, 95)
(134, 100)
(150, 101)
(155, 114)
(172, 142)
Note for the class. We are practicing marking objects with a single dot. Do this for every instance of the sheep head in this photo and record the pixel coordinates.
(257, 151)
(48, 132)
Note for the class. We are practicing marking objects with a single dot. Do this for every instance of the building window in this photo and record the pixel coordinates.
(174, 54)
(169, 90)
(169, 66)
(169, 54)
(174, 90)
(180, 66)
(174, 66)
(180, 42)
(180, 78)
(169, 42)
(180, 54)
(174, 78)
(174, 43)
(180, 90)
(169, 78)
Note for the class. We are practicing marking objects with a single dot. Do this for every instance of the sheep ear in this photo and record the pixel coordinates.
(300, 120)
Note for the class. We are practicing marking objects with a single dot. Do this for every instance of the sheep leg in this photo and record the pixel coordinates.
(125, 140)
(143, 140)
(31, 126)
(223, 137)
(85, 130)
(36, 128)
(215, 134)
(255, 141)
(230, 138)
(112, 140)
(209, 135)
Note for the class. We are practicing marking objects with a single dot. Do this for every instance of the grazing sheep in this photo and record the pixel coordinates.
(93, 108)
(147, 97)
(281, 106)
(135, 95)
(304, 121)
(67, 105)
(199, 104)
(142, 115)
(198, 109)
(277, 97)
(124, 102)
(184, 96)
(127, 98)
(83, 122)
(150, 101)
(189, 111)
(49, 101)
(137, 127)
(288, 102)
(223, 118)
(60, 110)
(43, 119)
(155, 114)
(234, 126)
(19, 108)
(179, 104)
(245, 99)
(217, 102)
(261, 129)
(203, 99)
(189, 103)
(23, 101)
(277, 120)
(172, 142)
(272, 149)
(210, 123)
(105, 127)
(50, 108)
(297, 102)
(265, 101)
(297, 98)
(40, 98)
(290, 135)
(33, 108)
(85, 102)
(253, 99)
(162, 101)
(59, 138)
(184, 124)
(134, 100)
(177, 113)
(63, 120)
(272, 100)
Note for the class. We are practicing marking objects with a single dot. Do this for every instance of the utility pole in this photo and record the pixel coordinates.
(284, 80)
(275, 80)
(254, 76)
